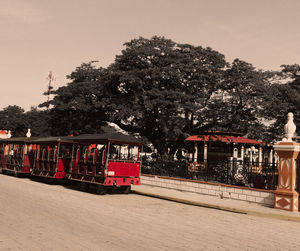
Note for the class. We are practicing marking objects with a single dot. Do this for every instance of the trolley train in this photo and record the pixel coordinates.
(103, 160)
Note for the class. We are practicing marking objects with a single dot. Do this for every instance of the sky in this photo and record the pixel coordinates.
(38, 36)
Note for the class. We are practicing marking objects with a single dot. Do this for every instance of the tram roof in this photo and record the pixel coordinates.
(56, 139)
(225, 139)
(19, 140)
(107, 137)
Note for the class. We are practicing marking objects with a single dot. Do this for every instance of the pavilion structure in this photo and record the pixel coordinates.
(211, 147)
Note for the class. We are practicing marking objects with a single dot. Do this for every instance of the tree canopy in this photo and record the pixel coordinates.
(165, 91)
(156, 87)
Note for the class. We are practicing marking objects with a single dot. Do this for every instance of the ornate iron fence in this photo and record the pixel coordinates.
(240, 173)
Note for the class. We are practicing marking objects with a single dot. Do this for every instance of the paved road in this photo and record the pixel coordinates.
(39, 216)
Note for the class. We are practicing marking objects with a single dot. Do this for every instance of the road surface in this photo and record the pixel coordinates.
(39, 216)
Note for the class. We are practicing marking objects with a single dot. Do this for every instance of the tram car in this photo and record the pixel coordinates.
(106, 160)
(53, 157)
(17, 155)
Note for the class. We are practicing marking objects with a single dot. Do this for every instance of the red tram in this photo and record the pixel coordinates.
(16, 155)
(104, 160)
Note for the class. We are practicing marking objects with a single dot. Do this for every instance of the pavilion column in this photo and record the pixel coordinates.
(205, 153)
(242, 153)
(271, 157)
(196, 152)
(250, 156)
(260, 156)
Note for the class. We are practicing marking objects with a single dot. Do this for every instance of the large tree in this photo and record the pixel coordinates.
(158, 87)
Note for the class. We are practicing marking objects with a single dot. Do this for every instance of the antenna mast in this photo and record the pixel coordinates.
(50, 78)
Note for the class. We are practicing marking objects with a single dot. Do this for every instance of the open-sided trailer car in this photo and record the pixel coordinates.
(53, 157)
(106, 160)
(17, 155)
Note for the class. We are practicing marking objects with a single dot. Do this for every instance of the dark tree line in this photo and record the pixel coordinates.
(165, 91)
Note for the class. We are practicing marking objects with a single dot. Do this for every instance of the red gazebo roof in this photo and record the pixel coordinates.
(224, 138)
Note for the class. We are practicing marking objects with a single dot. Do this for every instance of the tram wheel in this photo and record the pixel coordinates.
(126, 189)
(101, 190)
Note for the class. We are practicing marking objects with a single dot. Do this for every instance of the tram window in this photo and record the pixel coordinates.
(11, 150)
(21, 150)
(24, 149)
(50, 154)
(41, 153)
(100, 153)
(6, 150)
(46, 152)
(65, 151)
(54, 153)
(76, 152)
(91, 154)
(16, 150)
(84, 153)
(133, 153)
(81, 153)
(113, 152)
(124, 152)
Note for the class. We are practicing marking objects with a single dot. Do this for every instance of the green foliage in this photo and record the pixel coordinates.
(13, 118)
(238, 104)
(156, 86)
(285, 98)
(38, 121)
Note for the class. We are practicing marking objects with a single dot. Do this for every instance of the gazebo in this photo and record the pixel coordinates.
(213, 147)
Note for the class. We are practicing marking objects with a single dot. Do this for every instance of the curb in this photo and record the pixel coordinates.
(222, 208)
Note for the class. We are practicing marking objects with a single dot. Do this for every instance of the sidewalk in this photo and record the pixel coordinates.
(215, 202)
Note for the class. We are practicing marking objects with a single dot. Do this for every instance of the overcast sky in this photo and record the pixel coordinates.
(38, 36)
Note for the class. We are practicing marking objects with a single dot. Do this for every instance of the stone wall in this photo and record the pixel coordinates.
(259, 196)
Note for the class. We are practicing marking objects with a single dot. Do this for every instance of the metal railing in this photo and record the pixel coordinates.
(240, 173)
